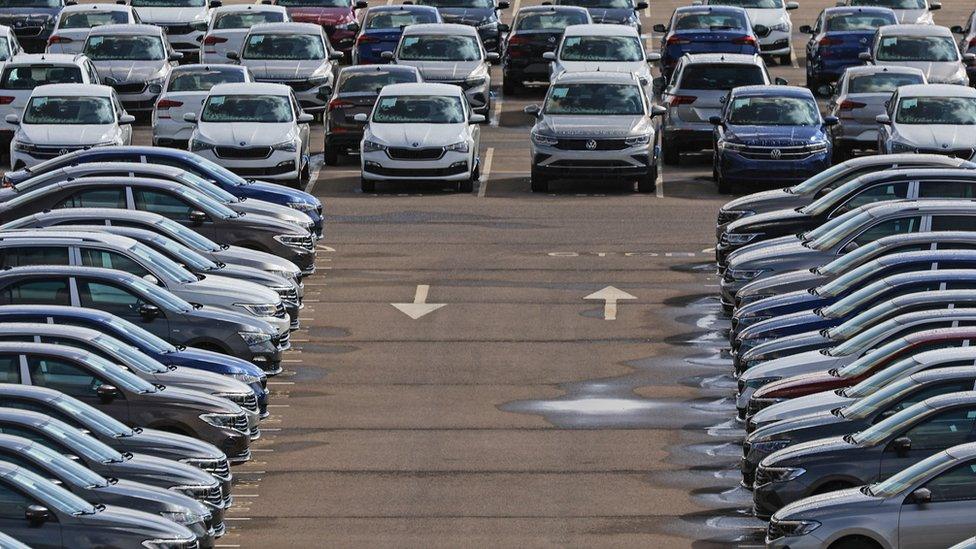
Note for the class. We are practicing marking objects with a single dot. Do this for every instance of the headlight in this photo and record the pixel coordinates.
(295, 240)
(255, 339)
(488, 25)
(769, 446)
(781, 26)
(200, 145)
(182, 517)
(540, 139)
(758, 382)
(155, 86)
(790, 528)
(372, 146)
(259, 309)
(320, 79)
(225, 421)
(302, 206)
(637, 140)
(817, 147)
(167, 543)
(728, 145)
(460, 146)
(739, 276)
(23, 146)
(782, 474)
(897, 147)
(287, 146)
(248, 378)
(200, 26)
(113, 143)
(740, 238)
(195, 491)
(475, 81)
(290, 275)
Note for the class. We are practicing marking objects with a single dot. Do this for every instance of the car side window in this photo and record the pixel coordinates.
(9, 369)
(95, 198)
(61, 375)
(878, 193)
(903, 225)
(953, 223)
(92, 73)
(13, 502)
(91, 257)
(107, 297)
(67, 342)
(40, 255)
(934, 390)
(944, 429)
(946, 189)
(956, 484)
(37, 292)
(161, 203)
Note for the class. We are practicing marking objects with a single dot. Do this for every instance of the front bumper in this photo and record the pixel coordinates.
(770, 497)
(277, 166)
(451, 166)
(775, 43)
(737, 168)
(628, 162)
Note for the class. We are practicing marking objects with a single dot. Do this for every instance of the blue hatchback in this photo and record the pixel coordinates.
(838, 37)
(705, 29)
(382, 27)
(769, 134)
(167, 354)
(234, 184)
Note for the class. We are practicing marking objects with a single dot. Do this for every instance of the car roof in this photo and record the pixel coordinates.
(79, 90)
(131, 28)
(962, 451)
(116, 166)
(96, 6)
(875, 69)
(851, 10)
(236, 8)
(920, 276)
(772, 91)
(101, 214)
(250, 88)
(55, 310)
(877, 159)
(914, 30)
(926, 237)
(122, 180)
(950, 399)
(599, 29)
(14, 442)
(420, 88)
(46, 348)
(440, 28)
(708, 8)
(937, 334)
(937, 296)
(889, 207)
(209, 67)
(936, 356)
(19, 415)
(935, 90)
(920, 255)
(943, 374)
(57, 234)
(598, 77)
(914, 173)
(551, 8)
(692, 58)
(43, 328)
(930, 314)
(67, 270)
(287, 27)
(45, 59)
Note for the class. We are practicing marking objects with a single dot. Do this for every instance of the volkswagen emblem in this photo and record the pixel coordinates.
(552, 39)
(415, 144)
(243, 143)
(18, 24)
(775, 154)
(864, 40)
(590, 144)
(63, 151)
(945, 145)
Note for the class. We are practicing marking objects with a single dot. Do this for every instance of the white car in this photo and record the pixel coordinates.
(229, 25)
(421, 132)
(907, 11)
(9, 46)
(929, 48)
(183, 21)
(930, 118)
(24, 72)
(254, 130)
(184, 91)
(77, 20)
(600, 47)
(61, 118)
(133, 59)
(775, 16)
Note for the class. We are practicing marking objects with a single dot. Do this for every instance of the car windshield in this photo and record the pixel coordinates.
(247, 19)
(477, 4)
(120, 377)
(30, 3)
(829, 200)
(75, 110)
(917, 48)
(284, 47)
(187, 236)
(190, 81)
(601, 48)
(268, 109)
(398, 19)
(837, 229)
(419, 109)
(144, 338)
(880, 431)
(707, 20)
(956, 111)
(74, 472)
(882, 82)
(843, 283)
(749, 4)
(819, 180)
(76, 440)
(314, 3)
(850, 260)
(162, 264)
(850, 22)
(439, 47)
(893, 4)
(857, 299)
(120, 47)
(50, 493)
(88, 19)
(715, 76)
(862, 321)
(886, 392)
(872, 359)
(28, 77)
(168, 3)
(863, 340)
(159, 295)
(549, 21)
(372, 81)
(600, 4)
(184, 255)
(774, 111)
(882, 380)
(909, 476)
(91, 418)
(595, 100)
(202, 185)
(133, 358)
(213, 171)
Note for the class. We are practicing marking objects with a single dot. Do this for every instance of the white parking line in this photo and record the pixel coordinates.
(659, 191)
(793, 60)
(316, 165)
(496, 112)
(485, 172)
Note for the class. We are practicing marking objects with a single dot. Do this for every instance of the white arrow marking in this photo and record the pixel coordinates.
(610, 296)
(419, 307)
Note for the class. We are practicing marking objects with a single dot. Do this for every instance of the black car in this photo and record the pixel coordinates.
(481, 14)
(32, 21)
(611, 12)
(355, 92)
(536, 30)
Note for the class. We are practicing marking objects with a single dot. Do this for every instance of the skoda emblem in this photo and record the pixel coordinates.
(775, 154)
(864, 40)
(18, 23)
(590, 144)
(945, 145)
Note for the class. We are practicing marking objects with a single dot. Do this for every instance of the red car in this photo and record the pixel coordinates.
(337, 17)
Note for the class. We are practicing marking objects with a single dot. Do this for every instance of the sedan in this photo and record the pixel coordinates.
(930, 48)
(184, 91)
(838, 38)
(230, 24)
(774, 16)
(694, 29)
(77, 20)
(601, 47)
(536, 31)
(930, 118)
(382, 27)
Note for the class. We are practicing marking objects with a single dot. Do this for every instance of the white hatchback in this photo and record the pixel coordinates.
(184, 91)
(77, 20)
(61, 118)
(230, 24)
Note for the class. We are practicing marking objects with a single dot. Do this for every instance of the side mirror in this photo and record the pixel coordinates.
(305, 118)
(324, 92)
(502, 6)
(148, 311)
(549, 56)
(653, 57)
(922, 495)
(388, 55)
(658, 110)
(175, 56)
(492, 57)
(361, 5)
(806, 29)
(865, 56)
(151, 279)
(196, 216)
(336, 55)
(476, 119)
(233, 56)
(883, 119)
(126, 119)
(12, 119)
(935, 6)
(659, 27)
(658, 84)
(190, 117)
(715, 120)
(957, 29)
(830, 120)
(107, 393)
(504, 27)
(215, 3)
(361, 117)
(780, 81)
(969, 58)
(534, 110)
(792, 6)
(901, 445)
(640, 6)
(37, 515)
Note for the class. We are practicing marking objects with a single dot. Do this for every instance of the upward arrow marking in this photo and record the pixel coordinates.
(610, 296)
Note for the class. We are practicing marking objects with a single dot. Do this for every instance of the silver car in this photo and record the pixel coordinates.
(930, 48)
(861, 94)
(925, 505)
(76, 21)
(133, 59)
(184, 91)
(230, 24)
(907, 11)
(933, 118)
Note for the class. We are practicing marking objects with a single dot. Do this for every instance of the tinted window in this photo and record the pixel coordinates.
(13, 503)
(372, 81)
(161, 203)
(89, 19)
(549, 21)
(398, 19)
(413, 109)
(29, 77)
(943, 430)
(284, 47)
(108, 297)
(892, 191)
(882, 82)
(37, 292)
(774, 111)
(595, 99)
(432, 47)
(946, 189)
(847, 22)
(958, 483)
(67, 377)
(885, 228)
(96, 198)
(202, 80)
(700, 76)
(709, 21)
(601, 48)
(111, 260)
(119, 47)
(917, 48)
(247, 108)
(69, 110)
(953, 223)
(934, 390)
(10, 369)
(954, 111)
(41, 255)
(242, 20)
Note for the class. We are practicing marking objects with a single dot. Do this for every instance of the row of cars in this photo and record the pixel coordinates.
(851, 298)
(147, 295)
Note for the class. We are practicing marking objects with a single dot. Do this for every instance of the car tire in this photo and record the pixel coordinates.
(366, 185)
(724, 186)
(648, 183)
(539, 183)
(785, 59)
(670, 153)
(331, 154)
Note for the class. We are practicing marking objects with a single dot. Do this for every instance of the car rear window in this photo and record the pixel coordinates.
(372, 81)
(29, 77)
(246, 20)
(89, 19)
(852, 22)
(882, 82)
(720, 77)
(203, 80)
(549, 21)
(709, 21)
(398, 19)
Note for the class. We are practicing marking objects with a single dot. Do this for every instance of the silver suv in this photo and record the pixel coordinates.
(133, 59)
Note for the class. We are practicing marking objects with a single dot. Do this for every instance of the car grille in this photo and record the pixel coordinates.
(591, 164)
(219, 468)
(964, 154)
(757, 404)
(417, 172)
(777, 153)
(762, 476)
(27, 31)
(260, 171)
(54, 150)
(289, 295)
(280, 311)
(597, 144)
(254, 432)
(283, 341)
(240, 424)
(215, 496)
(745, 449)
(247, 401)
(727, 216)
(243, 153)
(177, 29)
(134, 87)
(402, 153)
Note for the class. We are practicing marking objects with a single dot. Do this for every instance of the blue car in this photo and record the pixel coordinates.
(234, 184)
(32, 21)
(772, 134)
(167, 354)
(382, 27)
(705, 29)
(838, 37)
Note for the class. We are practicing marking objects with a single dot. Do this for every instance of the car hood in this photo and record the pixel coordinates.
(777, 222)
(783, 344)
(244, 322)
(778, 241)
(784, 282)
(134, 523)
(158, 471)
(797, 382)
(49, 134)
(773, 136)
(781, 257)
(938, 136)
(273, 189)
(246, 134)
(155, 499)
(37, 16)
(796, 427)
(272, 210)
(173, 15)
(771, 326)
(820, 449)
(831, 502)
(935, 71)
(228, 364)
(197, 402)
(199, 380)
(593, 126)
(800, 406)
(444, 70)
(257, 276)
(123, 72)
(170, 445)
(233, 290)
(418, 135)
(766, 17)
(270, 69)
(765, 201)
(786, 366)
(237, 254)
(321, 15)
(790, 299)
(466, 16)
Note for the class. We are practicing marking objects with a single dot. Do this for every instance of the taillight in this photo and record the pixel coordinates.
(828, 41)
(744, 40)
(848, 105)
(366, 39)
(55, 39)
(210, 40)
(681, 100)
(6, 99)
(164, 105)
(972, 42)
(338, 104)
(678, 41)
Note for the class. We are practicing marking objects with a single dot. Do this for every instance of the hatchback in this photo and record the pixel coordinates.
(930, 48)
(929, 118)
(134, 59)
(184, 91)
(382, 27)
(230, 24)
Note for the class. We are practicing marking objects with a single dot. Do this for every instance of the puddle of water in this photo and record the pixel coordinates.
(728, 428)
(722, 449)
(722, 405)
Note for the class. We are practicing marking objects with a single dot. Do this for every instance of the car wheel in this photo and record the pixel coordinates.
(367, 186)
(855, 542)
(648, 183)
(670, 153)
(331, 154)
(539, 183)
(724, 186)
(786, 59)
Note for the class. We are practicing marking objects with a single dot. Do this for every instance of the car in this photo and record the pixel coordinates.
(10, 543)
(134, 59)
(421, 132)
(481, 15)
(96, 489)
(44, 514)
(295, 54)
(601, 47)
(355, 93)
(929, 118)
(93, 112)
(907, 11)
(838, 38)
(930, 48)
(700, 29)
(184, 91)
(771, 134)
(965, 544)
(338, 18)
(536, 30)
(9, 46)
(254, 129)
(22, 73)
(76, 20)
(860, 96)
(874, 454)
(183, 22)
(967, 43)
(382, 27)
(696, 92)
(927, 505)
(774, 16)
(229, 25)
(611, 12)
(595, 125)
(148, 306)
(232, 255)
(178, 202)
(446, 53)
(187, 161)
(33, 21)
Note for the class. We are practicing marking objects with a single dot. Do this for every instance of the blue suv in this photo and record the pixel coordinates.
(773, 134)
(838, 38)
(706, 29)
(382, 27)
(234, 184)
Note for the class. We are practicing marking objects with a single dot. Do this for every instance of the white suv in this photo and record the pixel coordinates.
(254, 130)
(185, 91)
(61, 118)
(77, 20)
(183, 21)
(421, 132)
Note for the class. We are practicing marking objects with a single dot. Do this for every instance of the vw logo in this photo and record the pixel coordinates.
(63, 151)
(18, 23)
(590, 144)
(415, 144)
(243, 143)
(945, 145)
(864, 40)
(552, 39)
(775, 154)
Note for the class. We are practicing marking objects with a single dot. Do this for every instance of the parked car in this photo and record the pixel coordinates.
(774, 15)
(33, 21)
(183, 22)
(9, 46)
(601, 47)
(339, 18)
(134, 59)
(838, 38)
(697, 29)
(536, 31)
(382, 27)
(967, 43)
(907, 11)
(93, 113)
(929, 118)
(76, 21)
(184, 91)
(355, 93)
(481, 15)
(611, 12)
(229, 25)
(930, 48)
